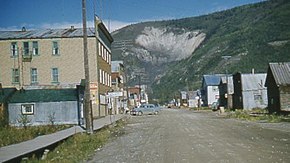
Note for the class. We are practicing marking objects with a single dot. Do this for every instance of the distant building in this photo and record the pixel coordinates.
(226, 89)
(278, 86)
(193, 99)
(134, 96)
(210, 88)
(249, 91)
(118, 94)
(53, 58)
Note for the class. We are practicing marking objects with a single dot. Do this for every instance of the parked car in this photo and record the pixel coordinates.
(145, 109)
(215, 106)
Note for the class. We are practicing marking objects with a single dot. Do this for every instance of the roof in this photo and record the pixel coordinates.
(46, 33)
(44, 95)
(5, 93)
(253, 81)
(212, 80)
(281, 72)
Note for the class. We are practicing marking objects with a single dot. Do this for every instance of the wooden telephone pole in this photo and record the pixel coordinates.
(87, 101)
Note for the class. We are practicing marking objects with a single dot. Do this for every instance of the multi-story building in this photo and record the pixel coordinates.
(53, 58)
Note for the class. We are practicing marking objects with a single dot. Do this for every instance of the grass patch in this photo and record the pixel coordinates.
(258, 115)
(12, 135)
(82, 146)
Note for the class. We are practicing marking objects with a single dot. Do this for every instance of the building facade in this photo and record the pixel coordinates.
(210, 89)
(249, 91)
(278, 87)
(53, 59)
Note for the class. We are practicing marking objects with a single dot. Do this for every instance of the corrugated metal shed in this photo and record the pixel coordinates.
(44, 95)
(253, 81)
(46, 33)
(281, 72)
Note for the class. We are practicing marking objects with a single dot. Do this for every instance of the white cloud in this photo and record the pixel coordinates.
(111, 25)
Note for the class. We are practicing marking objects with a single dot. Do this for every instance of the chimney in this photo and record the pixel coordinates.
(23, 29)
(72, 27)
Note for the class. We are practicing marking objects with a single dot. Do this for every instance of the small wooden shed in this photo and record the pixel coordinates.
(278, 86)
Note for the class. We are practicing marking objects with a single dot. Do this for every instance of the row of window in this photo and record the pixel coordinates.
(31, 48)
(105, 78)
(34, 75)
(104, 53)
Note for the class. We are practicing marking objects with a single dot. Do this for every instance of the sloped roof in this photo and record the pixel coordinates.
(212, 80)
(5, 93)
(281, 72)
(253, 81)
(44, 95)
(46, 33)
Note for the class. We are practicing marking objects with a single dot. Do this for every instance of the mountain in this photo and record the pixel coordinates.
(173, 55)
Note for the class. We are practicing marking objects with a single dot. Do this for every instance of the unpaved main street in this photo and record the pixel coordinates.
(190, 136)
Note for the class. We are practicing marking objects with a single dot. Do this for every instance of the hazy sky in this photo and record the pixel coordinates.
(34, 14)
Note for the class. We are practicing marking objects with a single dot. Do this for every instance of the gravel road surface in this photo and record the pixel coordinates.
(177, 135)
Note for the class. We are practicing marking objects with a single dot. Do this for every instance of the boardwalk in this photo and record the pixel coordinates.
(11, 152)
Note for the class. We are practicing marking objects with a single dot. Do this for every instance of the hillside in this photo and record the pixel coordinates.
(176, 53)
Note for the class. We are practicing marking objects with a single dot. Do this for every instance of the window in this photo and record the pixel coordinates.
(27, 109)
(55, 74)
(33, 75)
(257, 97)
(101, 75)
(35, 48)
(25, 48)
(110, 83)
(55, 49)
(15, 75)
(100, 49)
(215, 88)
(13, 48)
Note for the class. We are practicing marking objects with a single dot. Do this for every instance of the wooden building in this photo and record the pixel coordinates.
(278, 86)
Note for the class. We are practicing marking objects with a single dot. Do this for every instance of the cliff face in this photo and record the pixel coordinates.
(160, 45)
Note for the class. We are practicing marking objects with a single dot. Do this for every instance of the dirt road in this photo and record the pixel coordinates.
(188, 136)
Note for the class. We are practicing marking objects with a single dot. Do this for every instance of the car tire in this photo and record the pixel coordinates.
(140, 113)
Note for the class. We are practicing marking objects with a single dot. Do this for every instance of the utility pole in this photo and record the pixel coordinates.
(87, 101)
(227, 57)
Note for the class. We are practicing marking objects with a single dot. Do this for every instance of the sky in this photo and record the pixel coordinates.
(55, 14)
